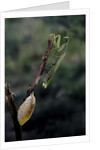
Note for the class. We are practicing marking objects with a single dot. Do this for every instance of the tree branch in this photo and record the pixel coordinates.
(11, 106)
(10, 96)
(42, 67)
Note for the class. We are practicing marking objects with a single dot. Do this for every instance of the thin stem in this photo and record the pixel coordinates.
(42, 67)
(12, 109)
(10, 96)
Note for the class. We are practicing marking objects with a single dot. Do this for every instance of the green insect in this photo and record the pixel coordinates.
(60, 51)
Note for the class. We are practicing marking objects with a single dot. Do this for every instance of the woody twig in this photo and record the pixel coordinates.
(42, 67)
(12, 109)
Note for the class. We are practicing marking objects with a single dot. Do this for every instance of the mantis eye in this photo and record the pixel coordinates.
(26, 109)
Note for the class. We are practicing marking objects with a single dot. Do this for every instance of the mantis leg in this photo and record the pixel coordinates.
(58, 37)
(60, 48)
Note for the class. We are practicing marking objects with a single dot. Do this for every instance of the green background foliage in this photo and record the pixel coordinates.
(60, 109)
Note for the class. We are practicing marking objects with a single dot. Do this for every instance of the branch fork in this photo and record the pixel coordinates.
(9, 96)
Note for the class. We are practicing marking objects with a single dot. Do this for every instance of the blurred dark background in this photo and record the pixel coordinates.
(60, 109)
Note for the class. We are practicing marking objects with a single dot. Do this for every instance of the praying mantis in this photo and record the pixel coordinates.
(60, 51)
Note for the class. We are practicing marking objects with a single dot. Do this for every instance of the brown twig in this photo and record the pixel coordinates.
(10, 101)
(42, 67)
(10, 96)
